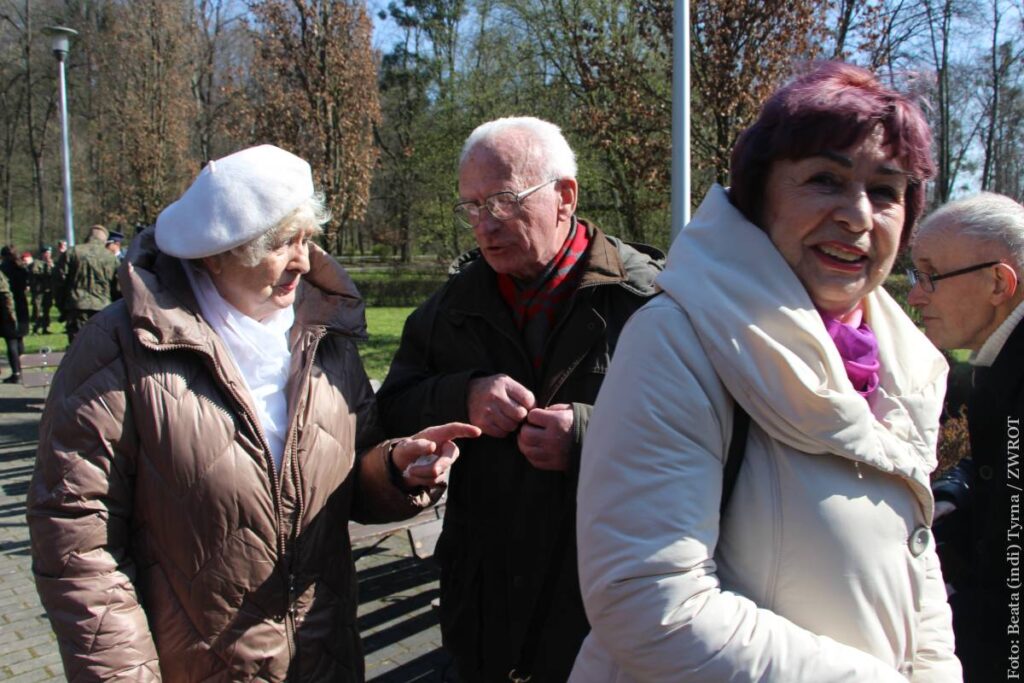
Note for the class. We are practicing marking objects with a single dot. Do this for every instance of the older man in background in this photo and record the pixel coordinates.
(967, 287)
(85, 280)
(517, 343)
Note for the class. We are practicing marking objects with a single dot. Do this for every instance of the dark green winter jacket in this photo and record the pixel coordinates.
(503, 515)
(85, 277)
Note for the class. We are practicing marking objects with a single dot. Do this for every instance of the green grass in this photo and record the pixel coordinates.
(385, 326)
(960, 355)
(57, 340)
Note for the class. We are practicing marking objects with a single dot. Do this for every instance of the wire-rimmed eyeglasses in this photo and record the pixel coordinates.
(927, 281)
(502, 205)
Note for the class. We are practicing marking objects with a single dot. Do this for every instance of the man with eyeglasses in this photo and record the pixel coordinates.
(966, 285)
(516, 342)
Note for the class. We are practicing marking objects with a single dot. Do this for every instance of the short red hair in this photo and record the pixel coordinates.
(833, 107)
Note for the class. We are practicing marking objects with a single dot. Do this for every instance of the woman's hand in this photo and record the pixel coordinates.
(436, 446)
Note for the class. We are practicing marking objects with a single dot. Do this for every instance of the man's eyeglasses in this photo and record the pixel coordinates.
(502, 205)
(927, 282)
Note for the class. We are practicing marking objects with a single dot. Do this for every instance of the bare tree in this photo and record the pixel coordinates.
(1003, 59)
(220, 62)
(39, 103)
(742, 51)
(314, 91)
(609, 65)
(145, 110)
(12, 104)
(953, 124)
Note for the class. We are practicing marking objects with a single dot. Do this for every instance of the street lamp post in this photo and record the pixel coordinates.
(680, 117)
(60, 37)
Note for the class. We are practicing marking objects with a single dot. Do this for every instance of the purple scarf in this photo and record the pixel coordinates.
(858, 347)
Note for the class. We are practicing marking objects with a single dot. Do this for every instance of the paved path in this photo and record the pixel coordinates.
(400, 632)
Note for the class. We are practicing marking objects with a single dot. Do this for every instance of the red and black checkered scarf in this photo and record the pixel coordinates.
(536, 306)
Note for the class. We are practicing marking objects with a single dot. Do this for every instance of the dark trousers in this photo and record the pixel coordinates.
(15, 347)
(42, 320)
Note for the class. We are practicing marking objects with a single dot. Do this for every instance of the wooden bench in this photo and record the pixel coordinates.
(37, 368)
(423, 537)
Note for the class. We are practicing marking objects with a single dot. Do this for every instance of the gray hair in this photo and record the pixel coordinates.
(554, 156)
(986, 217)
(310, 215)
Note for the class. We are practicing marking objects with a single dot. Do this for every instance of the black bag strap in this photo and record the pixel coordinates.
(737, 449)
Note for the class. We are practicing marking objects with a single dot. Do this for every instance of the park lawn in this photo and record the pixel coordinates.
(56, 340)
(385, 328)
(384, 324)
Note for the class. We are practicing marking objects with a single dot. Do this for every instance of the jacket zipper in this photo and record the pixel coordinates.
(518, 343)
(290, 457)
(254, 425)
(549, 395)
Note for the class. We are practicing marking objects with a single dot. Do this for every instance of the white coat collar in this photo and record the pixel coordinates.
(769, 346)
(993, 346)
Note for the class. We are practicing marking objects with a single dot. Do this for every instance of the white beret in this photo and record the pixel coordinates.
(233, 201)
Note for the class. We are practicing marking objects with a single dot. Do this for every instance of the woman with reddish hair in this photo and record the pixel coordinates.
(754, 502)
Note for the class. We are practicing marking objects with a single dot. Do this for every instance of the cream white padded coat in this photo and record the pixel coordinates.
(823, 569)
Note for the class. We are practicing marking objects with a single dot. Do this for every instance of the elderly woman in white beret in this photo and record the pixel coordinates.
(206, 443)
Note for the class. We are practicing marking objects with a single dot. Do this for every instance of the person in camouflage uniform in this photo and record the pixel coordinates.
(41, 285)
(9, 329)
(28, 262)
(83, 280)
(17, 279)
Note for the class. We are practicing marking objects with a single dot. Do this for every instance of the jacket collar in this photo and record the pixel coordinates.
(603, 265)
(770, 348)
(993, 346)
(165, 313)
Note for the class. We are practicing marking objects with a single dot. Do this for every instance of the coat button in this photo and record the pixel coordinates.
(985, 472)
(919, 540)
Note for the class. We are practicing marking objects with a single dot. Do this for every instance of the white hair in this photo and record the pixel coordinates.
(986, 217)
(554, 158)
(310, 215)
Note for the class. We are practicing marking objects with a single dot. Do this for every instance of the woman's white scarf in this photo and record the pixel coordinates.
(770, 347)
(259, 349)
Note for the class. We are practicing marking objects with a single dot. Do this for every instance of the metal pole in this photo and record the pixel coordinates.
(680, 116)
(69, 220)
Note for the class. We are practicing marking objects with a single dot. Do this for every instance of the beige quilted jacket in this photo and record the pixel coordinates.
(164, 544)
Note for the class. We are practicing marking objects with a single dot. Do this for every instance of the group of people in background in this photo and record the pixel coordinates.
(710, 467)
(80, 281)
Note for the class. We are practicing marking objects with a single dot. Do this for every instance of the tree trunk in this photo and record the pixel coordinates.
(35, 145)
(993, 114)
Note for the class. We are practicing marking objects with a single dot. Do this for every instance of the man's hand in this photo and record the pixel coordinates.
(438, 443)
(498, 404)
(546, 438)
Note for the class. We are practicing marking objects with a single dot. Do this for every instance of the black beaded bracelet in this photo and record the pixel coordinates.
(394, 474)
